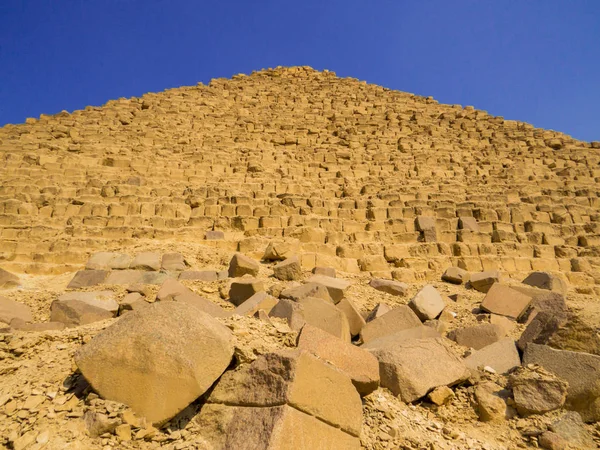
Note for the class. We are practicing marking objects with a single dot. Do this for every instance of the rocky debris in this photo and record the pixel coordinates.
(507, 324)
(327, 271)
(202, 275)
(10, 310)
(398, 319)
(571, 429)
(172, 290)
(411, 368)
(314, 311)
(157, 360)
(580, 370)
(288, 270)
(455, 275)
(390, 287)
(545, 280)
(478, 336)
(379, 310)
(336, 287)
(427, 303)
(241, 265)
(297, 293)
(100, 299)
(418, 332)
(261, 393)
(242, 289)
(355, 320)
(483, 281)
(146, 261)
(108, 261)
(552, 441)
(360, 365)
(279, 251)
(505, 301)
(97, 423)
(259, 301)
(20, 325)
(491, 402)
(173, 262)
(441, 395)
(8, 280)
(537, 391)
(74, 313)
(501, 357)
(87, 278)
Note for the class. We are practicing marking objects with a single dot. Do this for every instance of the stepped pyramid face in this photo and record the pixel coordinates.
(359, 177)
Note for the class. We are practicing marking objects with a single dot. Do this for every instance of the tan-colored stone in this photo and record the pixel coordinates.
(398, 319)
(505, 301)
(172, 290)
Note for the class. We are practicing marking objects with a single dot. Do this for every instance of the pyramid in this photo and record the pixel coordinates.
(360, 177)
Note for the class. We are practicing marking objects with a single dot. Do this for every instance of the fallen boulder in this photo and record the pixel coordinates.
(241, 265)
(483, 281)
(157, 360)
(100, 299)
(10, 310)
(288, 270)
(172, 290)
(74, 313)
(545, 280)
(537, 391)
(455, 275)
(335, 286)
(398, 319)
(87, 278)
(501, 356)
(389, 286)
(505, 301)
(427, 303)
(477, 336)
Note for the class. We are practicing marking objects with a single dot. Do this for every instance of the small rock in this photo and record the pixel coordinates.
(288, 270)
(388, 286)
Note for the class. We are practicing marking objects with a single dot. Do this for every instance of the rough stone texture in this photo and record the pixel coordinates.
(108, 261)
(398, 319)
(172, 290)
(537, 391)
(327, 271)
(418, 332)
(18, 324)
(440, 395)
(355, 320)
(360, 365)
(259, 301)
(199, 275)
(241, 265)
(478, 336)
(491, 403)
(307, 290)
(455, 275)
(8, 280)
(131, 302)
(545, 280)
(276, 427)
(411, 368)
(288, 270)
(483, 281)
(125, 277)
(243, 288)
(296, 378)
(552, 441)
(173, 262)
(87, 278)
(157, 360)
(10, 310)
(146, 261)
(379, 310)
(100, 299)
(427, 303)
(580, 370)
(335, 286)
(388, 286)
(279, 251)
(570, 427)
(74, 313)
(501, 356)
(504, 301)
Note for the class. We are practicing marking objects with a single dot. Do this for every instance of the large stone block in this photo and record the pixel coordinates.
(241, 265)
(157, 360)
(501, 356)
(427, 303)
(398, 319)
(173, 290)
(10, 310)
(335, 286)
(504, 301)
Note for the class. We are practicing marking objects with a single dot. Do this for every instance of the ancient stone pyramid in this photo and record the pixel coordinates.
(360, 177)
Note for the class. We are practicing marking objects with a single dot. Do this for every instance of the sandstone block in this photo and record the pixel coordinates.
(146, 261)
(173, 262)
(307, 290)
(10, 310)
(18, 324)
(74, 313)
(537, 391)
(157, 360)
(491, 403)
(259, 301)
(398, 319)
(288, 270)
(379, 310)
(504, 301)
(335, 286)
(545, 280)
(502, 356)
(483, 281)
(355, 319)
(455, 275)
(360, 365)
(87, 278)
(478, 336)
(296, 378)
(427, 303)
(172, 290)
(108, 261)
(373, 263)
(100, 299)
(279, 251)
(580, 370)
(121, 277)
(243, 288)
(412, 368)
(8, 280)
(241, 265)
(388, 286)
(327, 271)
(199, 275)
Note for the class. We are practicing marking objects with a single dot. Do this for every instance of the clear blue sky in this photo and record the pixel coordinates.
(531, 60)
